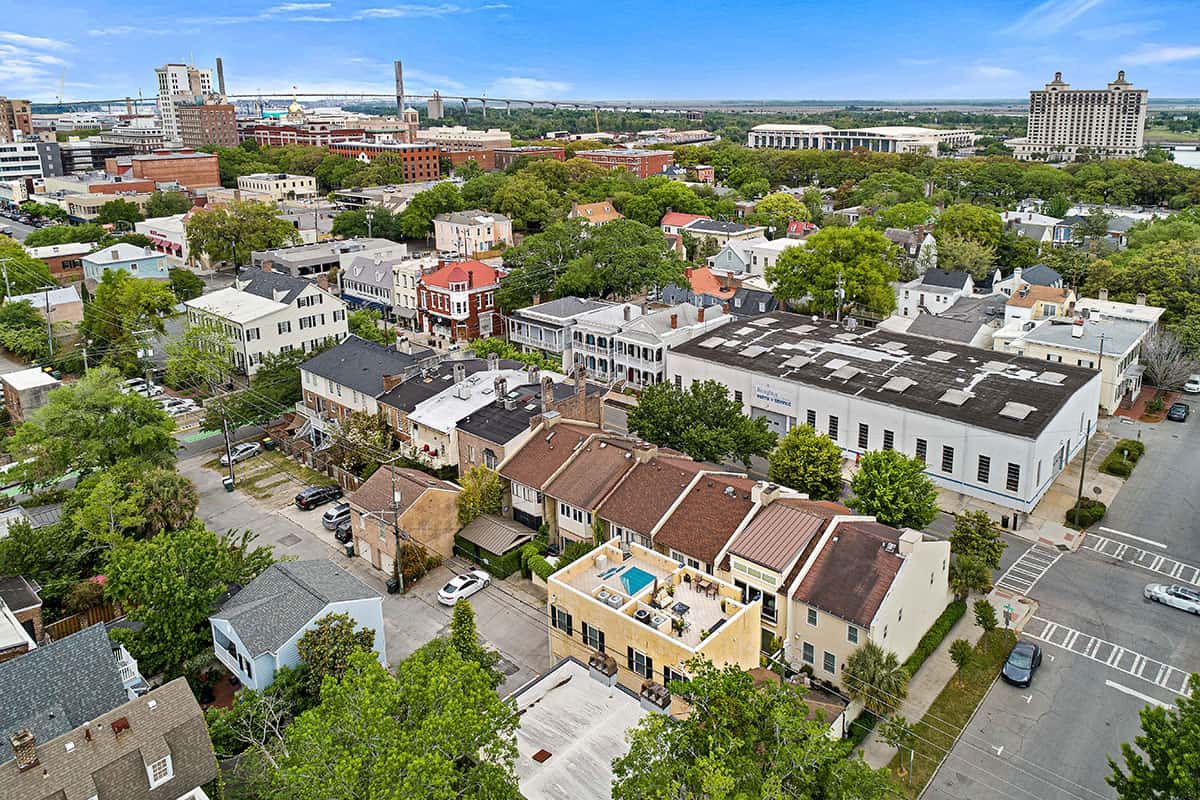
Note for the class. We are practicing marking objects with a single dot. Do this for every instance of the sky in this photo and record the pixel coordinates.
(703, 49)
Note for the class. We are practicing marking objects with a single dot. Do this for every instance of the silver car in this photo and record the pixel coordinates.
(1182, 597)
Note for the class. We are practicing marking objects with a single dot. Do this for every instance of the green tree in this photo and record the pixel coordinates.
(775, 211)
(895, 489)
(229, 233)
(118, 210)
(985, 615)
(437, 730)
(23, 330)
(1160, 764)
(957, 253)
(364, 323)
(201, 358)
(740, 741)
(362, 441)
(960, 653)
(969, 574)
(862, 259)
(527, 201)
(123, 309)
(808, 462)
(1017, 251)
(353, 224)
(482, 493)
(47, 210)
(325, 649)
(904, 215)
(876, 678)
(967, 221)
(274, 387)
(479, 191)
(703, 421)
(65, 234)
(1094, 225)
(465, 639)
(25, 273)
(1057, 206)
(975, 535)
(416, 221)
(186, 284)
(56, 556)
(90, 425)
(169, 584)
(131, 498)
(620, 259)
(167, 204)
(535, 265)
(888, 187)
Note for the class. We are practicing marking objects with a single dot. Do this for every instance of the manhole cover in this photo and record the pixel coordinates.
(506, 667)
(290, 540)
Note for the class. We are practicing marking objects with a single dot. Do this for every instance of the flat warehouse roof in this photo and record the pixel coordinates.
(943, 379)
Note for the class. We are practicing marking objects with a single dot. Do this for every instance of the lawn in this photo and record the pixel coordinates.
(934, 735)
(261, 476)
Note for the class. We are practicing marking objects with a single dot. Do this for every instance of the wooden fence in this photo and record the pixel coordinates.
(77, 622)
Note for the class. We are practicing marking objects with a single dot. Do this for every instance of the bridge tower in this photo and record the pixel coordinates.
(399, 89)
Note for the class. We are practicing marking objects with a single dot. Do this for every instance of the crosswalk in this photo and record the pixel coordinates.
(1113, 655)
(1026, 571)
(1175, 571)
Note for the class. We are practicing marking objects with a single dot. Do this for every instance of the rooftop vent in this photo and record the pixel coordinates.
(899, 384)
(995, 366)
(892, 347)
(1055, 378)
(745, 330)
(940, 356)
(836, 363)
(754, 351)
(845, 373)
(955, 397)
(846, 337)
(711, 342)
(797, 361)
(803, 329)
(1016, 410)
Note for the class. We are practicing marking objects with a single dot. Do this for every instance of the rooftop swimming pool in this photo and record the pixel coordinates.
(634, 579)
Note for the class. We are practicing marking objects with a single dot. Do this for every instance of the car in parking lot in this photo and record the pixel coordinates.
(336, 516)
(1178, 412)
(1022, 662)
(1181, 597)
(138, 386)
(1193, 384)
(314, 496)
(176, 405)
(463, 586)
(240, 452)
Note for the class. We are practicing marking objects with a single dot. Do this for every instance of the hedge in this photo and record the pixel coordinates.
(1123, 458)
(500, 566)
(862, 725)
(533, 561)
(934, 636)
(1090, 512)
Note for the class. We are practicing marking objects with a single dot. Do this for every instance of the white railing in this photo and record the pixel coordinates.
(128, 666)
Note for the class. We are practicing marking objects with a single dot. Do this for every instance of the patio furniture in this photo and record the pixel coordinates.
(681, 608)
(711, 590)
(702, 586)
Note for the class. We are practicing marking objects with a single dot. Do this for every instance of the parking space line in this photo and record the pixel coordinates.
(1134, 693)
(1131, 536)
(1135, 556)
(1120, 658)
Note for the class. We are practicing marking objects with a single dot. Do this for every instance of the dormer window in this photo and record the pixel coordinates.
(458, 287)
(160, 771)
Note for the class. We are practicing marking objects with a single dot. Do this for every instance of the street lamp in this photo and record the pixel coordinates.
(370, 215)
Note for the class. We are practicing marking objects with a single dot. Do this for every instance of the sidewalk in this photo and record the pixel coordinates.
(938, 669)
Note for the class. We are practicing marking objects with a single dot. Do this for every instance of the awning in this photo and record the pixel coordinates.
(406, 313)
(495, 534)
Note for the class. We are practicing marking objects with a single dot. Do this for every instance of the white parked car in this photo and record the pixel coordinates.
(138, 386)
(1193, 384)
(241, 452)
(462, 586)
(1182, 597)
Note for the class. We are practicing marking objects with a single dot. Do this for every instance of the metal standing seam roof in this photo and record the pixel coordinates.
(495, 534)
(776, 535)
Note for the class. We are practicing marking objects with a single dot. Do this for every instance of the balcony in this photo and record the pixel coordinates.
(131, 677)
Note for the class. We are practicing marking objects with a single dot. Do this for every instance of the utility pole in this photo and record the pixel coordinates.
(49, 324)
(1087, 438)
(144, 356)
(228, 448)
(4, 267)
(397, 573)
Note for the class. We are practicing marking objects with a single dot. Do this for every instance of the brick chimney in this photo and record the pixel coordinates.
(700, 314)
(323, 281)
(501, 384)
(547, 394)
(24, 745)
(392, 381)
(266, 266)
(725, 308)
(580, 380)
(674, 321)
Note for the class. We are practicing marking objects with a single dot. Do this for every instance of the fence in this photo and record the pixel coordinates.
(77, 622)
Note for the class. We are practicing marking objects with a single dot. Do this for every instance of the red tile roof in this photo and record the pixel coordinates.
(647, 493)
(679, 218)
(853, 572)
(477, 272)
(703, 281)
(703, 522)
(548, 450)
(800, 226)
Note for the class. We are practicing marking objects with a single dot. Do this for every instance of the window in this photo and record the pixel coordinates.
(851, 634)
(1054, 357)
(812, 616)
(339, 315)
(985, 469)
(900, 615)
(1012, 481)
(737, 396)
(160, 771)
(922, 448)
(864, 435)
(673, 675)
(833, 427)
(889, 440)
(678, 382)
(947, 458)
(812, 419)
(639, 663)
(807, 653)
(593, 637)
(285, 327)
(829, 663)
(561, 619)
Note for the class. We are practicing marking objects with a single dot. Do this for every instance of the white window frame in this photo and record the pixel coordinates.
(168, 771)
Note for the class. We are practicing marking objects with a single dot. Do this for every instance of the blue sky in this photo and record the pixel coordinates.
(818, 49)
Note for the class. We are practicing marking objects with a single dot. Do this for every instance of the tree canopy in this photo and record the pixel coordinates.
(167, 204)
(1161, 762)
(123, 310)
(119, 210)
(895, 489)
(326, 648)
(862, 259)
(231, 232)
(416, 221)
(703, 421)
(974, 535)
(808, 462)
(202, 357)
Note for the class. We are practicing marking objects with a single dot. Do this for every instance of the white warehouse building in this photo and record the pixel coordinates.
(997, 427)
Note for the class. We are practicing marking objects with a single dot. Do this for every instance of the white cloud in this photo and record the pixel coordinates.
(528, 88)
(32, 42)
(1050, 17)
(989, 72)
(404, 10)
(1162, 54)
(286, 8)
(918, 62)
(115, 30)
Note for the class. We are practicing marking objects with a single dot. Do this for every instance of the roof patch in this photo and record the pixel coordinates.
(940, 356)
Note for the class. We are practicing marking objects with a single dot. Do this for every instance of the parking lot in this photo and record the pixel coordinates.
(510, 618)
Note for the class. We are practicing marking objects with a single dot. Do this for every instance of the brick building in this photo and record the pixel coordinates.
(458, 301)
(65, 261)
(486, 159)
(186, 167)
(207, 125)
(642, 163)
(420, 161)
(14, 116)
(507, 155)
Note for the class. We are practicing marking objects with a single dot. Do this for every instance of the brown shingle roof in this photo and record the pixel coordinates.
(703, 522)
(1030, 294)
(853, 571)
(647, 493)
(376, 493)
(544, 453)
(593, 472)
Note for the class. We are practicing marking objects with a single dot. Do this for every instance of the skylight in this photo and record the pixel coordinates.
(1055, 378)
(803, 329)
(845, 373)
(954, 397)
(797, 361)
(710, 343)
(940, 356)
(899, 384)
(1016, 410)
(754, 351)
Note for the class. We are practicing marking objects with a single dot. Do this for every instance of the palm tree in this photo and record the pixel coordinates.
(875, 678)
(969, 574)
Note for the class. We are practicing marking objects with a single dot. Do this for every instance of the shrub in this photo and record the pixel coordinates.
(499, 566)
(1087, 513)
(533, 561)
(933, 637)
(1123, 458)
(862, 725)
(985, 615)
(1155, 405)
(961, 652)
(83, 596)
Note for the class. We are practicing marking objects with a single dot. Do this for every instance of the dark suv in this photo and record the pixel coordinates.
(315, 496)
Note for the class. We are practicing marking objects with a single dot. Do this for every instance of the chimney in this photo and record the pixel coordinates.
(1077, 329)
(764, 493)
(24, 745)
(580, 380)
(533, 372)
(323, 281)
(392, 381)
(725, 308)
(1103, 295)
(493, 362)
(460, 371)
(628, 311)
(674, 321)
(1016, 278)
(1141, 299)
(403, 345)
(547, 394)
(537, 299)
(643, 453)
(501, 384)
(603, 668)
(399, 90)
(266, 266)
(470, 278)
(908, 541)
(700, 314)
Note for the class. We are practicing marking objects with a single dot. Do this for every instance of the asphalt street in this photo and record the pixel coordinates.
(19, 231)
(1107, 651)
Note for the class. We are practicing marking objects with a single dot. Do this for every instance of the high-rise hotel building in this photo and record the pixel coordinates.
(1065, 123)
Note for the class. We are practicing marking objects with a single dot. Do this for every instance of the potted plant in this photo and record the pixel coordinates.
(679, 626)
(670, 590)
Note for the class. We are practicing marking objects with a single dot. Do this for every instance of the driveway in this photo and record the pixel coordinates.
(510, 619)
